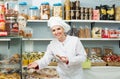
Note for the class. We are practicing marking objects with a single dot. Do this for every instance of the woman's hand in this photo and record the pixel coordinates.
(33, 65)
(64, 59)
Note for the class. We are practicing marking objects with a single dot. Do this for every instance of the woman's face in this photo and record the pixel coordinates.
(58, 31)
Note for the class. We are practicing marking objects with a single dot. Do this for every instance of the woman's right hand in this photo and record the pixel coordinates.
(33, 65)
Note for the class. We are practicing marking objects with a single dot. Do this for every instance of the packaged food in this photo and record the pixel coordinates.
(77, 3)
(73, 14)
(12, 8)
(81, 33)
(57, 10)
(23, 8)
(103, 12)
(33, 13)
(44, 11)
(28, 32)
(67, 15)
(87, 32)
(97, 50)
(96, 32)
(111, 12)
(67, 5)
(108, 50)
(12, 26)
(96, 15)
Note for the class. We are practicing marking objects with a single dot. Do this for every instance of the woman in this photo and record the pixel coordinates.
(68, 50)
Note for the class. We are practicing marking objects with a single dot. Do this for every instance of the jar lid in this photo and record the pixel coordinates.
(23, 3)
(57, 4)
(33, 7)
(45, 3)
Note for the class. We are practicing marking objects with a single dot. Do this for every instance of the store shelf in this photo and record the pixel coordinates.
(4, 39)
(100, 39)
(88, 21)
(38, 39)
(34, 21)
(83, 39)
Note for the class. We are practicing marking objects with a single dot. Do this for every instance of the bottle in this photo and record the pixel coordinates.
(67, 10)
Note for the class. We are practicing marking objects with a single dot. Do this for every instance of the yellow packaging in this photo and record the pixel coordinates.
(25, 62)
(30, 61)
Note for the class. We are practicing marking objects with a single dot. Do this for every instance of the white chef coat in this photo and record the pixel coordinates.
(71, 48)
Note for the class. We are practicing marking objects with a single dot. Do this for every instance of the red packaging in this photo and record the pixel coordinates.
(96, 15)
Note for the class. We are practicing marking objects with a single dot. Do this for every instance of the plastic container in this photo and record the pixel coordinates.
(23, 8)
(2, 10)
(57, 9)
(12, 8)
(45, 11)
(28, 32)
(33, 13)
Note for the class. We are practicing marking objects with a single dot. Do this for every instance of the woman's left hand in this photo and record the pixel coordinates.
(64, 59)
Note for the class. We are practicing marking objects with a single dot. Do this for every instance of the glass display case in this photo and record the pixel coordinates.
(10, 58)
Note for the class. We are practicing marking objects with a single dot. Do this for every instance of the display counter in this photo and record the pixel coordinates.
(102, 72)
(97, 72)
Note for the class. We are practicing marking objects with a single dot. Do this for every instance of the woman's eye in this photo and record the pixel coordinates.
(58, 28)
(53, 30)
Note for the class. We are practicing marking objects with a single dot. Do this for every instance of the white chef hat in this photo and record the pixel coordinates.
(58, 21)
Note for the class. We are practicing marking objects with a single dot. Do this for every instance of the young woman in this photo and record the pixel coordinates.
(68, 50)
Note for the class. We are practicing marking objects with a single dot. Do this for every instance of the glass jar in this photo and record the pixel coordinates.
(57, 9)
(12, 26)
(23, 8)
(45, 11)
(33, 13)
(11, 8)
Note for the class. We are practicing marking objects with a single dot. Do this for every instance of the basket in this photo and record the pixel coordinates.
(98, 63)
(113, 63)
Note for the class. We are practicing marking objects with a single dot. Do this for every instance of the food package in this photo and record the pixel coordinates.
(81, 33)
(97, 50)
(108, 50)
(96, 32)
(87, 32)
(87, 51)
